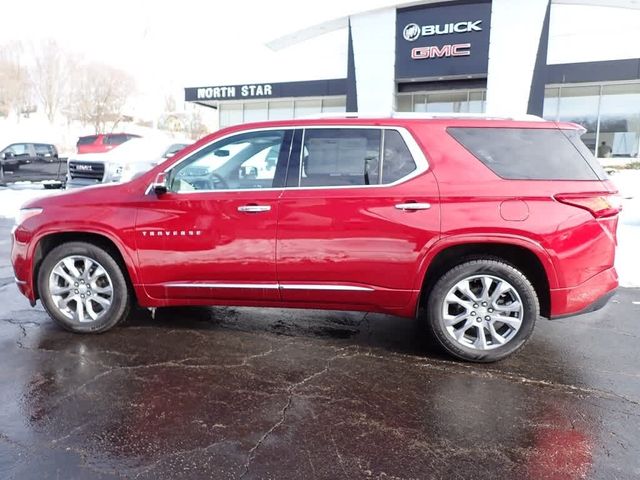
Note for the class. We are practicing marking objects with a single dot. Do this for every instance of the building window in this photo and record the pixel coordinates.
(477, 102)
(230, 114)
(456, 101)
(619, 121)
(334, 105)
(280, 110)
(306, 108)
(609, 112)
(580, 105)
(234, 113)
(255, 112)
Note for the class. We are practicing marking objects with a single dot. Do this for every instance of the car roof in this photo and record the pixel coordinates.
(401, 120)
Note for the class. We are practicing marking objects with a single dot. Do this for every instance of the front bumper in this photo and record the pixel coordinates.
(22, 266)
(587, 297)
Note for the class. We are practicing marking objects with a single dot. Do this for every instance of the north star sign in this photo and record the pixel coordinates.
(234, 92)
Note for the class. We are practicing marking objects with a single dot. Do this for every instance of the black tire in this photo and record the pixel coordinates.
(494, 268)
(121, 297)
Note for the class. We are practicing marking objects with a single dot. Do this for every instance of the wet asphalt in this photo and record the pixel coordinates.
(293, 394)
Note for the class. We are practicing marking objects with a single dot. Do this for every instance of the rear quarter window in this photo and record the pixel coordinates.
(43, 149)
(87, 140)
(530, 153)
(116, 139)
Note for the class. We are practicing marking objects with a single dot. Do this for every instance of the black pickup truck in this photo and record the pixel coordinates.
(35, 162)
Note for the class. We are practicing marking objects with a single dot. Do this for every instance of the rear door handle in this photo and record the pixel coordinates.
(254, 208)
(413, 206)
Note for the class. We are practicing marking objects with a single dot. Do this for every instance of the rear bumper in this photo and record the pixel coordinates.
(587, 297)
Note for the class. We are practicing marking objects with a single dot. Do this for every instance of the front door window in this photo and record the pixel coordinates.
(246, 161)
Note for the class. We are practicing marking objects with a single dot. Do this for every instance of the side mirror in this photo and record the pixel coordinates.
(7, 155)
(160, 185)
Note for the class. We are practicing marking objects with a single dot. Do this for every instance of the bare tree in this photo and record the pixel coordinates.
(15, 92)
(50, 76)
(98, 95)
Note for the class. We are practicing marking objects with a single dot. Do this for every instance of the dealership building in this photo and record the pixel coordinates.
(565, 60)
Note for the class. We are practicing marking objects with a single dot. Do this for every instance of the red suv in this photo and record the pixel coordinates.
(102, 142)
(479, 225)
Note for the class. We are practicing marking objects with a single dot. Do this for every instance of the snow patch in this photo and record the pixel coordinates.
(628, 251)
(11, 199)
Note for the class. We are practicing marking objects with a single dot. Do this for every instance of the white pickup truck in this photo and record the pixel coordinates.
(121, 164)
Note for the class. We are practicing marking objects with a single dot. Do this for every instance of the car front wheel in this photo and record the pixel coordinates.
(482, 310)
(83, 288)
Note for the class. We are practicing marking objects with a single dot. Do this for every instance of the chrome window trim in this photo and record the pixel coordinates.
(346, 288)
(272, 286)
(420, 159)
(269, 286)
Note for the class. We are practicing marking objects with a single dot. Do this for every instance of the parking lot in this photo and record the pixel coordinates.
(256, 393)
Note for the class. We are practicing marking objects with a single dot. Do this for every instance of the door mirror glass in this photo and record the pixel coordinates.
(6, 155)
(160, 184)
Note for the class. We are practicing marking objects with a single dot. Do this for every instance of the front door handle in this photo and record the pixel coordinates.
(254, 208)
(413, 206)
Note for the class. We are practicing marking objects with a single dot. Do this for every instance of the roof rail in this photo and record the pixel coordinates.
(426, 116)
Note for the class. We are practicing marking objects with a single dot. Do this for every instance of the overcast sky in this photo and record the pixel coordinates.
(173, 44)
(169, 45)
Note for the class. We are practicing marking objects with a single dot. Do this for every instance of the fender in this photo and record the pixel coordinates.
(455, 240)
(96, 229)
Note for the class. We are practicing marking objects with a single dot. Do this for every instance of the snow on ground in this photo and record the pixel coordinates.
(11, 199)
(627, 254)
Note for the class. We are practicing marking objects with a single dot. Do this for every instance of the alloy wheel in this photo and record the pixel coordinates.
(81, 288)
(482, 312)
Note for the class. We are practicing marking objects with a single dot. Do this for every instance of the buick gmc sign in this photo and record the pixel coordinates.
(444, 40)
(413, 32)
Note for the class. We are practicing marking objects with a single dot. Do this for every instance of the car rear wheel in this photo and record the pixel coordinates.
(482, 310)
(83, 288)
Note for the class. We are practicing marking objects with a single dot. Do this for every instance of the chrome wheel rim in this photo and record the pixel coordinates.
(482, 312)
(80, 289)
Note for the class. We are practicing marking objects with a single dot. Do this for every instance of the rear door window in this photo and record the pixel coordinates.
(530, 154)
(397, 161)
(43, 150)
(87, 140)
(115, 139)
(340, 157)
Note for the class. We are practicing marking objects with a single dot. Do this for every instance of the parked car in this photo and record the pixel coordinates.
(122, 164)
(24, 153)
(34, 162)
(478, 226)
(102, 142)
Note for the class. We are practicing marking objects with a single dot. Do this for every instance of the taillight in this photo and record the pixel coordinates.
(600, 205)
